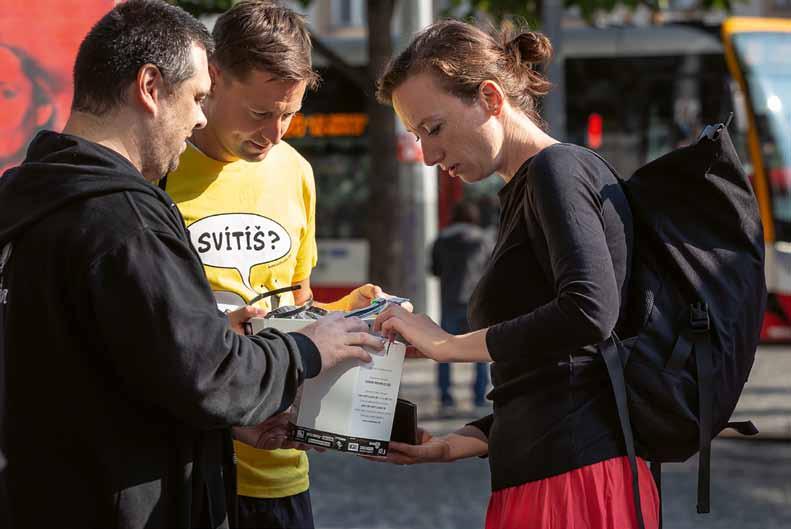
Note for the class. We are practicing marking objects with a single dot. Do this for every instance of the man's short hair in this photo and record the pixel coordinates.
(265, 36)
(132, 34)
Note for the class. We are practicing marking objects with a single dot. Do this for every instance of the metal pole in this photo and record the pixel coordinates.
(418, 191)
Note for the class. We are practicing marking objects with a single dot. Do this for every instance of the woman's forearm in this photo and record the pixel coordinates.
(467, 441)
(470, 347)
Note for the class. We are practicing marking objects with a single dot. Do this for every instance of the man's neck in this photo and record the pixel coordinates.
(109, 131)
(205, 140)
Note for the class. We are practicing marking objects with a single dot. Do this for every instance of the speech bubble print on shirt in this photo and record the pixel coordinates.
(240, 241)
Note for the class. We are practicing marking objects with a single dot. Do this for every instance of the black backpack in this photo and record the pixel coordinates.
(697, 300)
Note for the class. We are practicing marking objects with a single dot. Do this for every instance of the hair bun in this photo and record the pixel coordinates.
(529, 47)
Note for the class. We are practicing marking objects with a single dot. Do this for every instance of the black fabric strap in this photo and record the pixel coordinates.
(610, 351)
(656, 471)
(229, 475)
(163, 183)
(704, 361)
(681, 351)
(743, 427)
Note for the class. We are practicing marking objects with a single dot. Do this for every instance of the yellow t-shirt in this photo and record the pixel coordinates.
(253, 225)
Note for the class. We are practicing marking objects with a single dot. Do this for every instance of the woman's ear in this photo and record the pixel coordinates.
(492, 96)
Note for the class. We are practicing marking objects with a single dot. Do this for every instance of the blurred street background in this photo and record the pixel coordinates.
(632, 80)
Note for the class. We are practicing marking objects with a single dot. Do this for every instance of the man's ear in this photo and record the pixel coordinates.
(149, 88)
(215, 74)
(492, 96)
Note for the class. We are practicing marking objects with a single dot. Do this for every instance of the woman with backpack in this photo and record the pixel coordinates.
(552, 291)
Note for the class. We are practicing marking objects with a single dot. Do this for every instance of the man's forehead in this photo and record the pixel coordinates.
(200, 63)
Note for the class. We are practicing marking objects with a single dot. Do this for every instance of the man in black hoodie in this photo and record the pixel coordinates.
(122, 377)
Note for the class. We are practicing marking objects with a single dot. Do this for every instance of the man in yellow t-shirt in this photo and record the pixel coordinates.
(249, 202)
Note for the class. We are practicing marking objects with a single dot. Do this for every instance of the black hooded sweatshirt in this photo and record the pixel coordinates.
(122, 376)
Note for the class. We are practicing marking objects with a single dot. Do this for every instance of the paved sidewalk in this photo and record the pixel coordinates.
(767, 398)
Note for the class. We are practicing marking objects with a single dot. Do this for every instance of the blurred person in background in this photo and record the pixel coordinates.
(551, 292)
(458, 257)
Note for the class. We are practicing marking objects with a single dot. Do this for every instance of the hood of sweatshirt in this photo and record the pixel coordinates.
(60, 169)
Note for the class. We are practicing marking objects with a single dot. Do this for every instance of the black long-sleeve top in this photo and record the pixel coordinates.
(552, 291)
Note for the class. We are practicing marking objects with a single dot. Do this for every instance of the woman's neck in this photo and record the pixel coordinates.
(522, 139)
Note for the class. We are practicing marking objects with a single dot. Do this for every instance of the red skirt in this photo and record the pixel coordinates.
(597, 496)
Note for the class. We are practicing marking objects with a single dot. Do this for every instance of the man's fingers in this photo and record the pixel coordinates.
(358, 353)
(294, 445)
(377, 291)
(247, 312)
(355, 324)
(370, 291)
(273, 443)
(365, 339)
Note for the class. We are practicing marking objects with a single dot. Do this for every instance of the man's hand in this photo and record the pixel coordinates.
(361, 297)
(272, 434)
(339, 339)
(238, 317)
(268, 435)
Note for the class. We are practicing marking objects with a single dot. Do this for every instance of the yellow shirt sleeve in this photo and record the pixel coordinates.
(307, 256)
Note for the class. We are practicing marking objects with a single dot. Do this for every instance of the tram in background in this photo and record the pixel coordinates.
(758, 54)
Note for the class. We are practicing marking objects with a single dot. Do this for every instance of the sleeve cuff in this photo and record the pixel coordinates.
(311, 359)
(484, 424)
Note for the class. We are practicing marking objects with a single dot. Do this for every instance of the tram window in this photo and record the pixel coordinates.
(340, 167)
(331, 134)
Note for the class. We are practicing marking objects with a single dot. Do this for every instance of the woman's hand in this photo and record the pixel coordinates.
(427, 339)
(468, 441)
(429, 450)
(419, 330)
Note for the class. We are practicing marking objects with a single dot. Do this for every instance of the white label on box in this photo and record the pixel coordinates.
(374, 398)
(352, 400)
